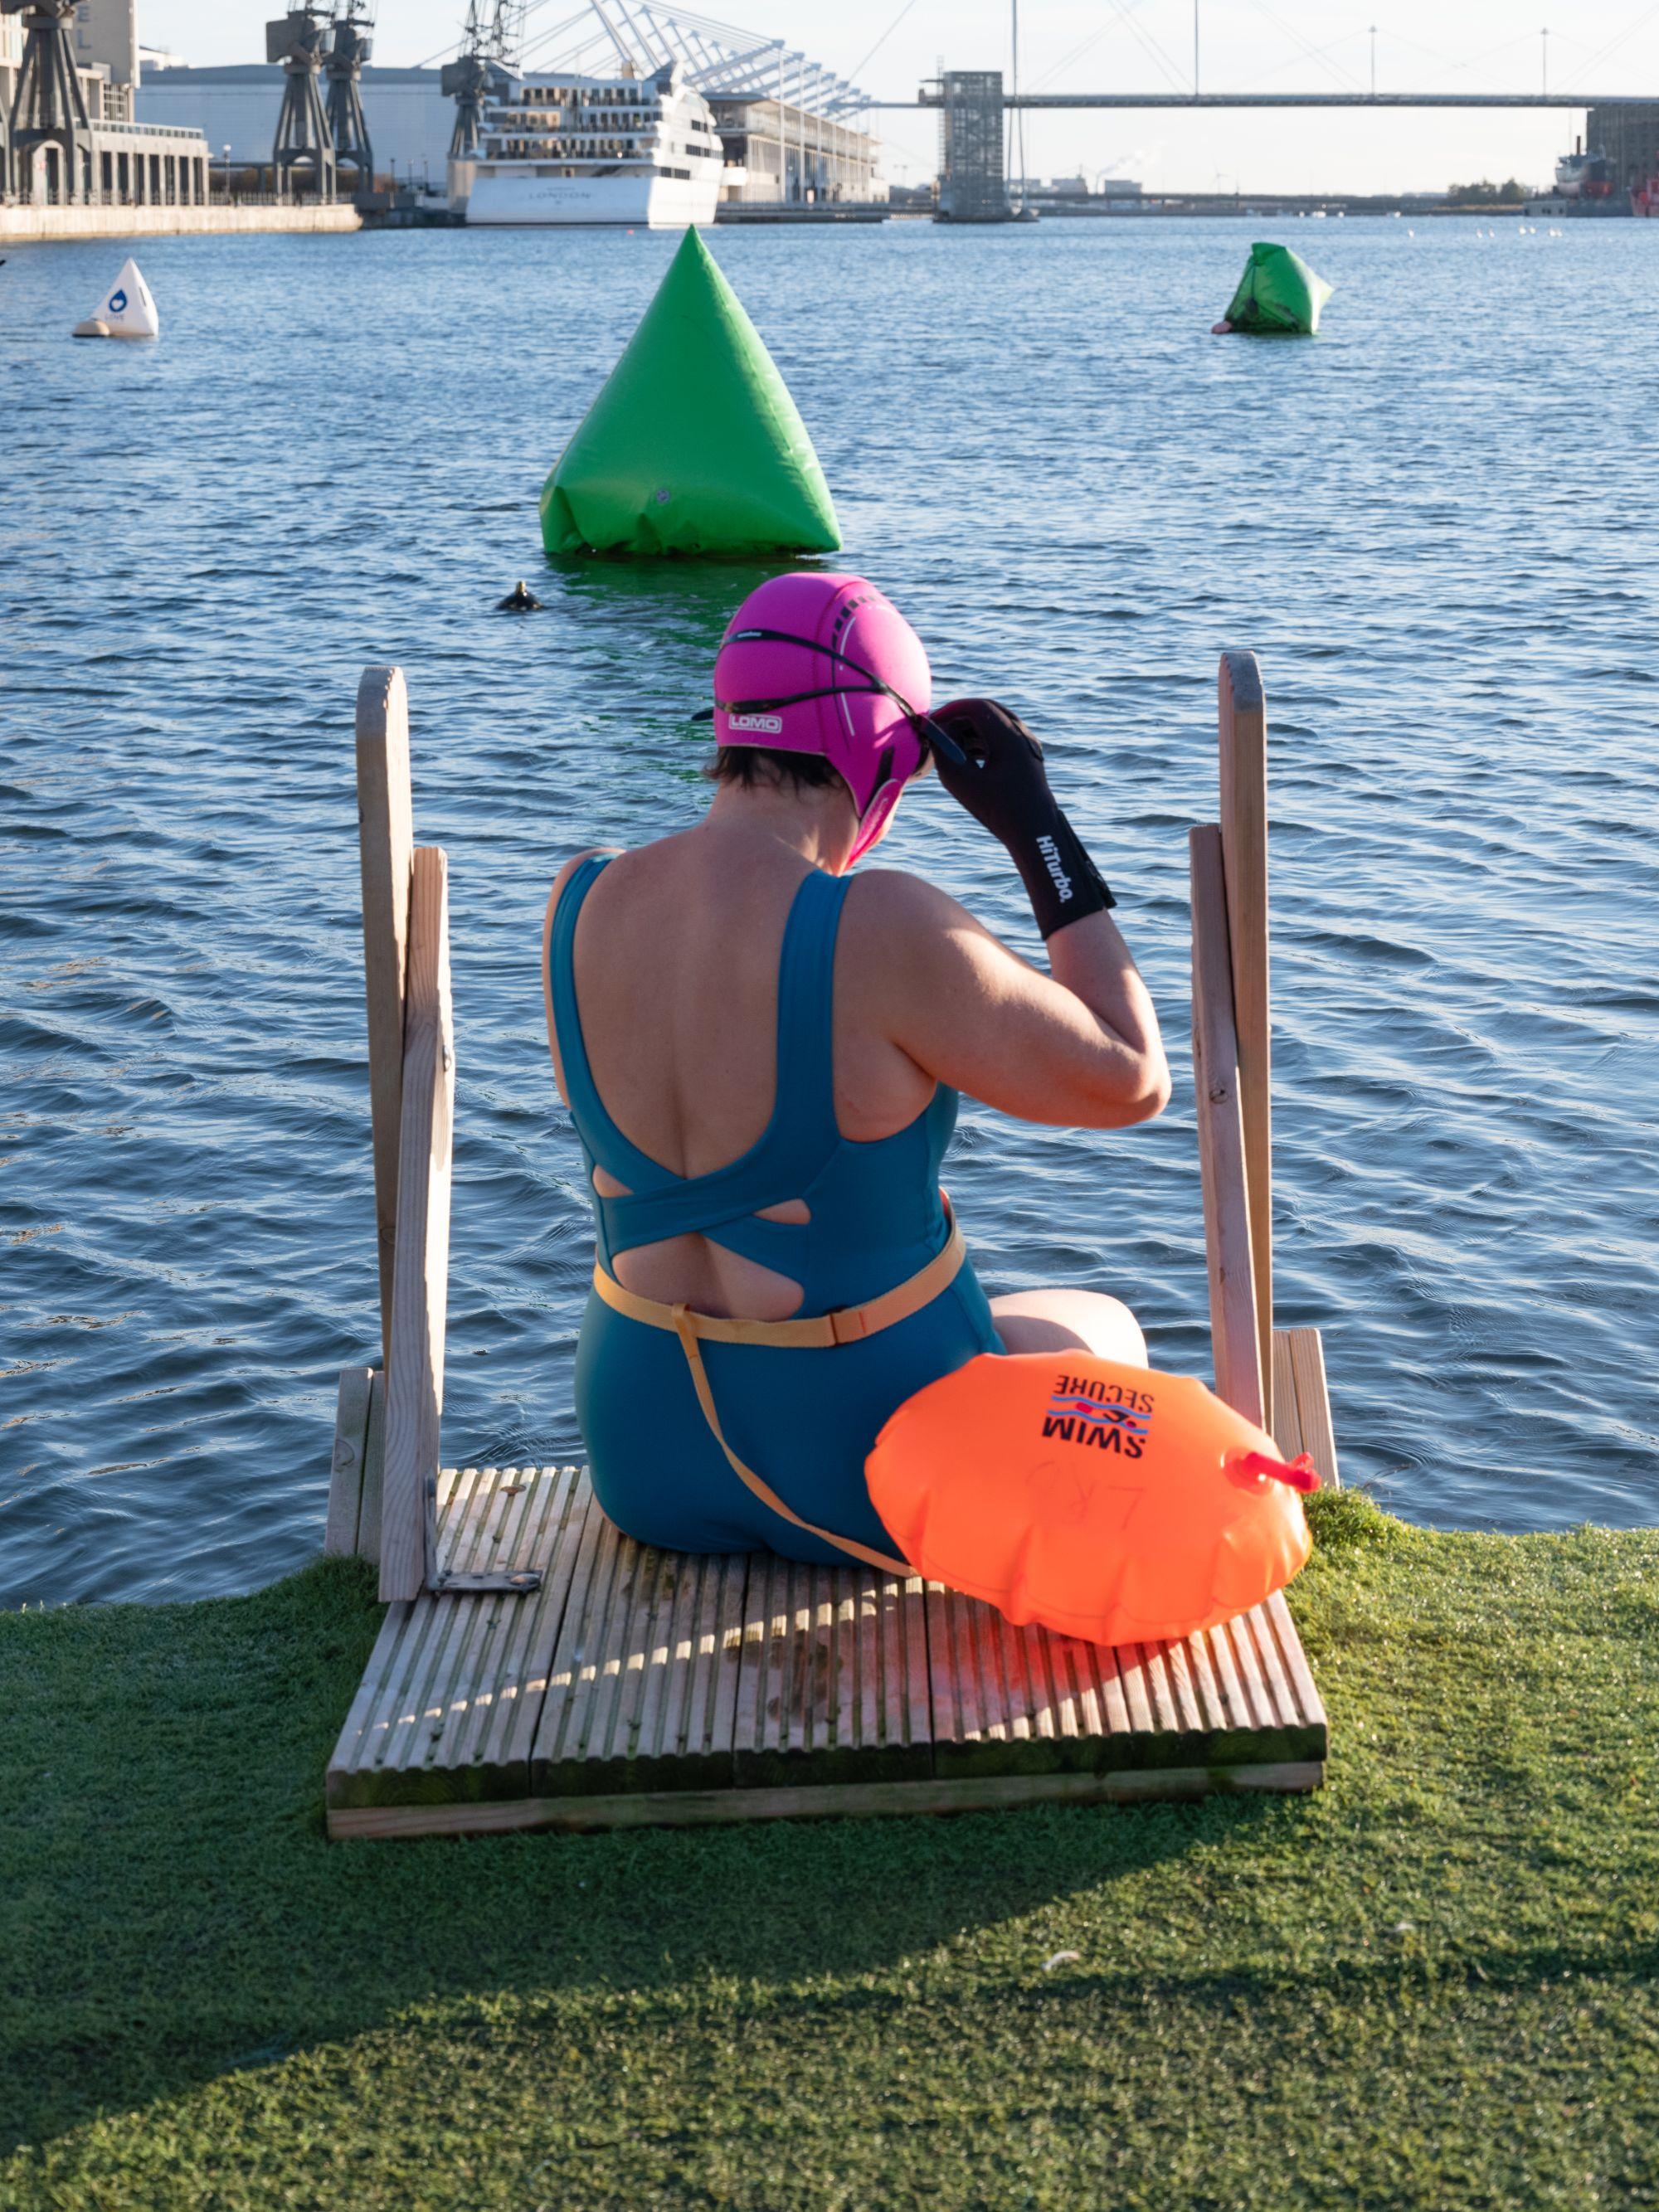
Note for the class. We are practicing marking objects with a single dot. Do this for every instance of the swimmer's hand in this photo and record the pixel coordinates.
(1004, 784)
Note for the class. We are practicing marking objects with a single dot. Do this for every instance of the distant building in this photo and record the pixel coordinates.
(116, 158)
(788, 154)
(1073, 195)
(409, 118)
(105, 39)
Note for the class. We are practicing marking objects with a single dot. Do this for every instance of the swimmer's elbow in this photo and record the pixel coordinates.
(1158, 1092)
(1142, 1097)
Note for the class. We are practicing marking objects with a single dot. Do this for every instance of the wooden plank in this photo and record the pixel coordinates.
(1309, 1706)
(725, 1672)
(419, 1299)
(352, 1758)
(368, 1517)
(668, 1677)
(1313, 1402)
(364, 1767)
(1244, 745)
(504, 1654)
(538, 1621)
(1258, 1628)
(1287, 1420)
(847, 1801)
(576, 1676)
(1205, 1688)
(486, 1621)
(639, 1649)
(385, 842)
(1256, 1700)
(637, 1686)
(689, 1708)
(938, 1661)
(433, 1626)
(914, 1689)
(345, 1476)
(781, 1642)
(480, 1507)
(629, 1616)
(1233, 1333)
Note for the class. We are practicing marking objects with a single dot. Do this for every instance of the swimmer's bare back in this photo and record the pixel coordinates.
(676, 959)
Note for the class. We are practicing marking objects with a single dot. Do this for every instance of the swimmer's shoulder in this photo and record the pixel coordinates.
(576, 860)
(892, 899)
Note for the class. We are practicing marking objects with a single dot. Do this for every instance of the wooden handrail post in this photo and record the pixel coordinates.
(1233, 1318)
(420, 1289)
(1243, 742)
(415, 1358)
(386, 839)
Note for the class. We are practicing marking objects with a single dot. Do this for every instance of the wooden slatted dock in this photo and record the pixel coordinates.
(536, 1669)
(639, 1687)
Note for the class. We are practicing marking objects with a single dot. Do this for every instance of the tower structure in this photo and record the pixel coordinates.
(468, 79)
(354, 20)
(48, 109)
(973, 185)
(301, 41)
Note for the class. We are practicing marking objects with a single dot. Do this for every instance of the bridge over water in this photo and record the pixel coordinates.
(972, 104)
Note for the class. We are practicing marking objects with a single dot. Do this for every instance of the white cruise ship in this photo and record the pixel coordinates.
(642, 150)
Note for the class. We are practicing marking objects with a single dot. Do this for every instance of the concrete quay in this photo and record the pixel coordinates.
(31, 225)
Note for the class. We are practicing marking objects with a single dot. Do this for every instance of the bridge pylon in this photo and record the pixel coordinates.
(973, 186)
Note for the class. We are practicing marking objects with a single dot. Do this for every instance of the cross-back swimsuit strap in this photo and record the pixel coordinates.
(791, 1154)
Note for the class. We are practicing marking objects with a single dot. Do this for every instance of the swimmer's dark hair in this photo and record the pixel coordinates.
(750, 765)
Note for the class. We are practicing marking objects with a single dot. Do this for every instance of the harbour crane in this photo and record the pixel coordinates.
(488, 46)
(301, 41)
(354, 21)
(49, 107)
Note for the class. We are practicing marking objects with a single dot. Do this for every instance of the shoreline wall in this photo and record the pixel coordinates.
(42, 225)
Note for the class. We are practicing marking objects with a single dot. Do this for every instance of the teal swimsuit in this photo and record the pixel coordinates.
(803, 1419)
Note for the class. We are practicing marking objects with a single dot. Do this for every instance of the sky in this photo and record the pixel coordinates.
(887, 47)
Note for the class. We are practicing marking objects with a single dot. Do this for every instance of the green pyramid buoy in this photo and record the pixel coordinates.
(1278, 293)
(694, 444)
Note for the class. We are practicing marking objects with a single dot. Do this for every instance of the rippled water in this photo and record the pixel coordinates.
(1430, 523)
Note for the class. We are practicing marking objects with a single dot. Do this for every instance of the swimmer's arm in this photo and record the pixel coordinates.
(564, 877)
(1079, 1047)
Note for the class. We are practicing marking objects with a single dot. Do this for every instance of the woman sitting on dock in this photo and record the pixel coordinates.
(762, 1056)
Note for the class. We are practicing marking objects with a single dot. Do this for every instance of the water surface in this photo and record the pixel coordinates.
(1430, 525)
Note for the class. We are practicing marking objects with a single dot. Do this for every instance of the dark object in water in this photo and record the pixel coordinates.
(521, 600)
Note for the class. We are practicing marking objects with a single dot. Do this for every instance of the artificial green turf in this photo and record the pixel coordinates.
(1432, 1985)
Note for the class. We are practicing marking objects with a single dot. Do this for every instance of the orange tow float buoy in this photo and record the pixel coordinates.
(1104, 1502)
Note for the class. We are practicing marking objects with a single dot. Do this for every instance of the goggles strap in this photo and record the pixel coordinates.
(924, 725)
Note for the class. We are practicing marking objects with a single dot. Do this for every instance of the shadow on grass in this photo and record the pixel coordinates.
(176, 1912)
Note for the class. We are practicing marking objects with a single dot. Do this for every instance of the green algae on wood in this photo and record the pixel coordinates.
(694, 444)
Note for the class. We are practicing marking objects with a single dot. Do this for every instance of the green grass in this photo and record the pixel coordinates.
(1433, 1985)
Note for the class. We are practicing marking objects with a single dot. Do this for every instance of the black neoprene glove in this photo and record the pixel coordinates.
(1004, 784)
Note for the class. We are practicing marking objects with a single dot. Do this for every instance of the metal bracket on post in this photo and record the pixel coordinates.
(442, 1583)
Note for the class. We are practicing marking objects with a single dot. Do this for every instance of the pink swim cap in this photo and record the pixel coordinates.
(828, 665)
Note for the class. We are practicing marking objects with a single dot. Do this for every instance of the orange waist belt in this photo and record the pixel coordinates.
(848, 1325)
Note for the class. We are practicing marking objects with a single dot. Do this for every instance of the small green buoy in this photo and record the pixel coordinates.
(694, 444)
(1278, 296)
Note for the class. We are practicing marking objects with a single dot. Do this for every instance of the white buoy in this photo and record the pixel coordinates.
(127, 310)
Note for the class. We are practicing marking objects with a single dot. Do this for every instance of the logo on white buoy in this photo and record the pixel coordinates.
(117, 301)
